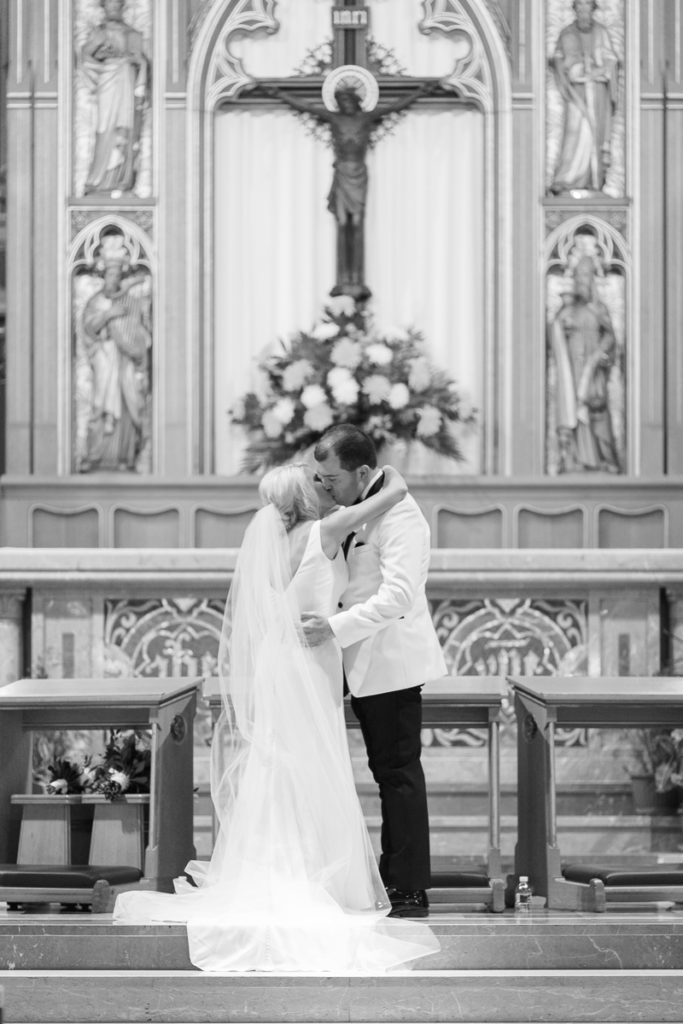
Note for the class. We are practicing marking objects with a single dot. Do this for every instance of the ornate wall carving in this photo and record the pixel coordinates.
(166, 637)
(509, 636)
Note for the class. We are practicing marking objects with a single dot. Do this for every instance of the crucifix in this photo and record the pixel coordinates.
(352, 109)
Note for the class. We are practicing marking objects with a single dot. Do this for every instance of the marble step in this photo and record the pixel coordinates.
(476, 941)
(80, 996)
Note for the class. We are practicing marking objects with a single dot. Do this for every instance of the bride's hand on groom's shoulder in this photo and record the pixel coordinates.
(316, 629)
(393, 478)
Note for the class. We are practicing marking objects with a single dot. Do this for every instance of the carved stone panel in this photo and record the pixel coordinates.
(168, 637)
(162, 636)
(510, 636)
(585, 124)
(112, 118)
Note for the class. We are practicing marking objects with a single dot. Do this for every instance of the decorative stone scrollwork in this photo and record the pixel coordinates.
(586, 317)
(509, 636)
(165, 637)
(162, 636)
(226, 75)
(471, 74)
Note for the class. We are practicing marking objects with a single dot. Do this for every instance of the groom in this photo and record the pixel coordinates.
(390, 649)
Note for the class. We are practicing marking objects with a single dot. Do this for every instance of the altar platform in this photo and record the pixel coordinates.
(548, 966)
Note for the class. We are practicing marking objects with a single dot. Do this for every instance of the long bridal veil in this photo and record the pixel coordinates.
(292, 884)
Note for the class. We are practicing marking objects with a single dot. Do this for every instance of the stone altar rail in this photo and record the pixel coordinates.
(158, 611)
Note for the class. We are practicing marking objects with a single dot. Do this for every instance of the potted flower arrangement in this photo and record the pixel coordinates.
(344, 370)
(123, 768)
(653, 763)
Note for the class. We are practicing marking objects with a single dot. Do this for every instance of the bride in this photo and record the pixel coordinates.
(292, 884)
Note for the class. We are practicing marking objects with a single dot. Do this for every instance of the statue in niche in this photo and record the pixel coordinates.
(116, 330)
(584, 346)
(585, 64)
(117, 71)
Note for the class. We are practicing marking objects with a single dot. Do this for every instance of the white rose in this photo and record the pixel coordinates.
(347, 353)
(399, 396)
(419, 377)
(344, 387)
(396, 334)
(284, 410)
(429, 422)
(318, 418)
(377, 388)
(296, 374)
(324, 331)
(272, 427)
(313, 395)
(347, 393)
(342, 305)
(379, 354)
(338, 375)
(119, 779)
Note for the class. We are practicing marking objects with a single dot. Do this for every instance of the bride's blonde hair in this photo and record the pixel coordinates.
(291, 491)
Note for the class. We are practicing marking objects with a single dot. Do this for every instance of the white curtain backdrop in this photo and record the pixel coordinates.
(274, 246)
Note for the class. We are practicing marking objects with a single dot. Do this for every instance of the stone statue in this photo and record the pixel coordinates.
(584, 346)
(116, 330)
(586, 68)
(117, 71)
(351, 128)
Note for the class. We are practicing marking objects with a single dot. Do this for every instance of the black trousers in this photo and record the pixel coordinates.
(391, 724)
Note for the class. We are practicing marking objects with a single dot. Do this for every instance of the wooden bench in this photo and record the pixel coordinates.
(542, 704)
(142, 840)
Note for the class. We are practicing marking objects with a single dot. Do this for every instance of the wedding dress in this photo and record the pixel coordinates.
(292, 884)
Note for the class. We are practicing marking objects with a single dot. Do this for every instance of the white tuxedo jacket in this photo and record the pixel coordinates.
(383, 624)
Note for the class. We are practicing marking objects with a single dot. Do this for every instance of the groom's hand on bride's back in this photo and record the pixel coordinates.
(316, 629)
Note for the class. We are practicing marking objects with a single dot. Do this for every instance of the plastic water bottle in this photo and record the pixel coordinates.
(523, 896)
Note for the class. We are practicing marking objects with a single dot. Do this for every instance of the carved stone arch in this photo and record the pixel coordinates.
(111, 237)
(87, 240)
(482, 76)
(608, 254)
(610, 241)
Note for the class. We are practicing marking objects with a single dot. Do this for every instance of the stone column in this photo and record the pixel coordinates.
(11, 636)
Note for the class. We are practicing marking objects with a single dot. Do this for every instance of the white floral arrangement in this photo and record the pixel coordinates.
(344, 371)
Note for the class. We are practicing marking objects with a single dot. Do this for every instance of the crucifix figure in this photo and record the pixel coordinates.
(350, 107)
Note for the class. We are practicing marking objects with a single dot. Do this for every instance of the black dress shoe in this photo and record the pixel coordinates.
(408, 904)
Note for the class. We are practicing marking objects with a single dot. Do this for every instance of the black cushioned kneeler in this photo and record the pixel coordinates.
(459, 880)
(60, 876)
(666, 874)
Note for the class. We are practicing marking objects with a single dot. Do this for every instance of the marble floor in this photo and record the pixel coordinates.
(547, 966)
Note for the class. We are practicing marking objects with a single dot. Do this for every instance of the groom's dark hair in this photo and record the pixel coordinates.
(349, 443)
